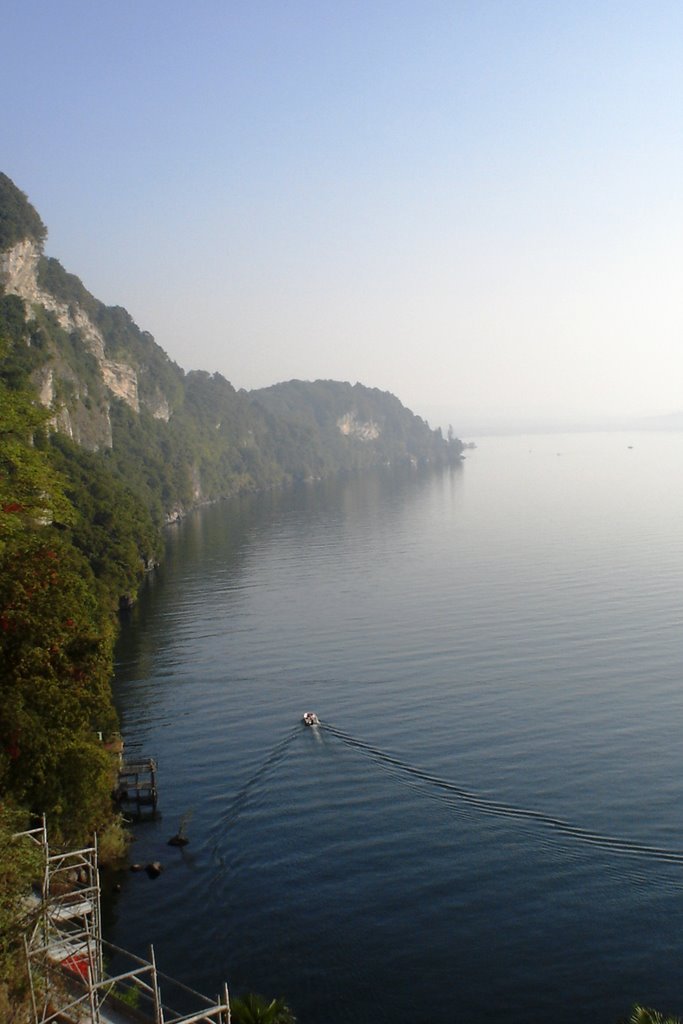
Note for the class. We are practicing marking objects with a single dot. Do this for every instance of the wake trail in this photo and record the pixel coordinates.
(240, 799)
(452, 793)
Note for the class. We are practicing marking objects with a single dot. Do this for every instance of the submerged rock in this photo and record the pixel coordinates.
(178, 840)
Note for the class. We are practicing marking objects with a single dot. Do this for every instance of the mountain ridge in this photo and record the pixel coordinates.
(94, 367)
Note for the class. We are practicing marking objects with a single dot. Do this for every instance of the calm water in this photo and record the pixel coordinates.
(491, 828)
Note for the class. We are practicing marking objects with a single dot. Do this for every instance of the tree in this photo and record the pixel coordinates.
(55, 662)
(18, 219)
(30, 491)
(55, 639)
(20, 865)
(644, 1015)
(254, 1009)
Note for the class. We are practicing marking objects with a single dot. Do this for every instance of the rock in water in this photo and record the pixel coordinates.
(178, 840)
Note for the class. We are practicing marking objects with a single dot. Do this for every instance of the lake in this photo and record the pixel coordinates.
(488, 825)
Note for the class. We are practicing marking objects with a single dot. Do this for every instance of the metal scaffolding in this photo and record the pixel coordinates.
(65, 955)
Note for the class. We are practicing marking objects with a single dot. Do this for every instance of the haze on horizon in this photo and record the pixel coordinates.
(474, 205)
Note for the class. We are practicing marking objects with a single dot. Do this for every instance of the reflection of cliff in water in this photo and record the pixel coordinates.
(216, 542)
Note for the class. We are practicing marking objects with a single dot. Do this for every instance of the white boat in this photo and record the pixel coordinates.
(310, 718)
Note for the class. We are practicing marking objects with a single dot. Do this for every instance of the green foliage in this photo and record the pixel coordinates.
(12, 318)
(305, 421)
(26, 349)
(75, 369)
(220, 442)
(53, 278)
(31, 492)
(111, 527)
(20, 865)
(129, 996)
(112, 842)
(55, 665)
(254, 1009)
(18, 219)
(643, 1015)
(56, 638)
(144, 456)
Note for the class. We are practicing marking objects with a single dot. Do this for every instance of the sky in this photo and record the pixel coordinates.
(475, 205)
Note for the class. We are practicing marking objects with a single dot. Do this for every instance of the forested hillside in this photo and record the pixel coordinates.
(103, 439)
(180, 438)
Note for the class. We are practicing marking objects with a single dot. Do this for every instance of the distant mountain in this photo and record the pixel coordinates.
(180, 438)
(668, 421)
(348, 427)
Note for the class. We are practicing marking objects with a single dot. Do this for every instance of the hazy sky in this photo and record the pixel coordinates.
(476, 205)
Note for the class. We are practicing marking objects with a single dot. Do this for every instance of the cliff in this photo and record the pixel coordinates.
(180, 438)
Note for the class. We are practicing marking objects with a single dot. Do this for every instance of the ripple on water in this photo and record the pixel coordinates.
(502, 648)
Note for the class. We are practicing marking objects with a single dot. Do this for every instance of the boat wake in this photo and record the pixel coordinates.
(449, 792)
(240, 799)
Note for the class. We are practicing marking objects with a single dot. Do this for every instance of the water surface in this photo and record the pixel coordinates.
(491, 824)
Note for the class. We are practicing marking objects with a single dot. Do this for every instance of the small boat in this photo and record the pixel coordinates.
(310, 718)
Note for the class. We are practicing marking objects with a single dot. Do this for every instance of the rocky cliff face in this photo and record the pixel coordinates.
(107, 382)
(350, 426)
(81, 409)
(19, 275)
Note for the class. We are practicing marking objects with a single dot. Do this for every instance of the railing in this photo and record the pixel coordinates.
(133, 995)
(65, 955)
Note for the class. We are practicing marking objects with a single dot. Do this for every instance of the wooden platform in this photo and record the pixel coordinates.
(137, 782)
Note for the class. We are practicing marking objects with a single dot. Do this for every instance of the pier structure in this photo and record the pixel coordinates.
(66, 956)
(137, 782)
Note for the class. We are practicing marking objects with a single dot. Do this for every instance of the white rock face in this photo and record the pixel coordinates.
(18, 273)
(349, 426)
(19, 270)
(62, 422)
(46, 387)
(122, 381)
(159, 408)
(196, 484)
